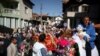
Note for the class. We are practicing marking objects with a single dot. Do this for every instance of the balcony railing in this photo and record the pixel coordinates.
(15, 0)
(10, 0)
(9, 12)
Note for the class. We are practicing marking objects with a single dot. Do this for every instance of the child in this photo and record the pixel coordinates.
(62, 44)
(73, 49)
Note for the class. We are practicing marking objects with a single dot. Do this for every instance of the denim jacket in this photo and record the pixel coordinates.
(91, 31)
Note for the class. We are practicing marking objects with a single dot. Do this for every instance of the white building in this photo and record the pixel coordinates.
(15, 13)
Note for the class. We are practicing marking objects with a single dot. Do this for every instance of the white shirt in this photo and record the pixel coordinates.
(37, 49)
(12, 50)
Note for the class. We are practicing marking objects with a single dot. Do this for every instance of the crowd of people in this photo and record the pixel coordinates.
(50, 41)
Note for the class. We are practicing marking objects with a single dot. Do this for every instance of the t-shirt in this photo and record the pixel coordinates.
(39, 49)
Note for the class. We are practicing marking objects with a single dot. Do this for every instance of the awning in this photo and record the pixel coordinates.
(81, 14)
(4, 29)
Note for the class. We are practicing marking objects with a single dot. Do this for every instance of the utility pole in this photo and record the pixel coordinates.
(41, 14)
(41, 8)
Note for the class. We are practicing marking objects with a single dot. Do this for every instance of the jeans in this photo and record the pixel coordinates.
(88, 49)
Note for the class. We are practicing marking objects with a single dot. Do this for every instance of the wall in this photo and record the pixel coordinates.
(27, 15)
(12, 20)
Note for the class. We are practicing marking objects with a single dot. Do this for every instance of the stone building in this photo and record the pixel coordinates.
(15, 13)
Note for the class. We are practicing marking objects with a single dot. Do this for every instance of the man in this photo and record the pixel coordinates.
(12, 49)
(2, 44)
(90, 30)
(39, 48)
(6, 43)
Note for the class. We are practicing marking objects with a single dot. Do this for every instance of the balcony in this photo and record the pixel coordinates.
(14, 0)
(9, 12)
(9, 0)
(13, 4)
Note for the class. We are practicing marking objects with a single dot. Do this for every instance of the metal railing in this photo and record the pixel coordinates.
(6, 10)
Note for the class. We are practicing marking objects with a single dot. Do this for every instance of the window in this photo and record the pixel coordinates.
(26, 10)
(8, 22)
(1, 21)
(85, 8)
(13, 23)
(21, 23)
(16, 23)
(18, 6)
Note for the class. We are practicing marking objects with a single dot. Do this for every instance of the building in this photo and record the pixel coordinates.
(75, 10)
(40, 19)
(47, 20)
(15, 13)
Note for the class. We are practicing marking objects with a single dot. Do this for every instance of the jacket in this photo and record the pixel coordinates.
(90, 30)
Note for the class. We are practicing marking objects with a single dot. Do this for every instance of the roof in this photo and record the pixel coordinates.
(28, 3)
(38, 15)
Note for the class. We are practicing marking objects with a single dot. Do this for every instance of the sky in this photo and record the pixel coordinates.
(50, 7)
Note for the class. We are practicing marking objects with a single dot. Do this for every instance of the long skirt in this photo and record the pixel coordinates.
(95, 52)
